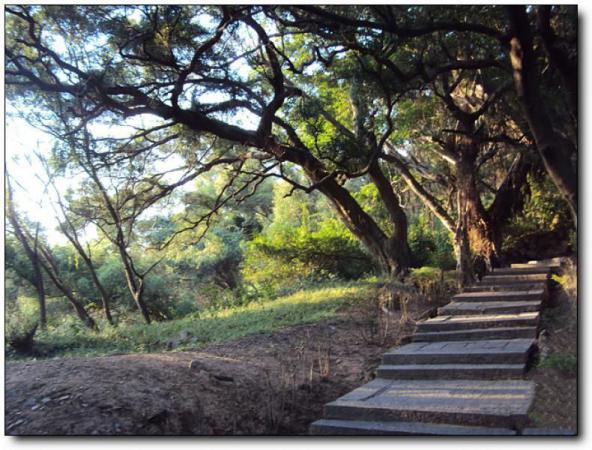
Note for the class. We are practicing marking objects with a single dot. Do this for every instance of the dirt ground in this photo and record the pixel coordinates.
(556, 398)
(273, 384)
(261, 384)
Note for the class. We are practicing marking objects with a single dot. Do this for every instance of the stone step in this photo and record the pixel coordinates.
(506, 287)
(529, 295)
(451, 371)
(452, 323)
(477, 334)
(552, 263)
(491, 403)
(513, 279)
(529, 270)
(509, 307)
(493, 351)
(332, 427)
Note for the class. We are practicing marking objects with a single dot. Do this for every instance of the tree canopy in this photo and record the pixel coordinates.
(330, 137)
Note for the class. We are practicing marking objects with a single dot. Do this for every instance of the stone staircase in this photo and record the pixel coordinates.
(462, 373)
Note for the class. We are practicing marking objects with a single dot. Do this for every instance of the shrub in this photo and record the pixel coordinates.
(20, 331)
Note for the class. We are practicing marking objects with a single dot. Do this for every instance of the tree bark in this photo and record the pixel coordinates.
(555, 150)
(566, 67)
(33, 255)
(363, 226)
(399, 246)
(73, 238)
(471, 214)
(464, 263)
(509, 198)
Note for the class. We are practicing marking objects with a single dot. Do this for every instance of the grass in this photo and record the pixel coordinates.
(305, 306)
(563, 362)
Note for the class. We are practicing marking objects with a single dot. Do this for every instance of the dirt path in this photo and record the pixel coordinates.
(263, 384)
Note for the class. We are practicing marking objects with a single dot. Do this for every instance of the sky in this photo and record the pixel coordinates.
(27, 173)
(31, 195)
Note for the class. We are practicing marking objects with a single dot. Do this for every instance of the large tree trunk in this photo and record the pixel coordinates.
(471, 213)
(399, 246)
(555, 150)
(387, 252)
(464, 263)
(558, 57)
(363, 226)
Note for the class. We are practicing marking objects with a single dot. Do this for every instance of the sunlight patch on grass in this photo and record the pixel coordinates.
(305, 306)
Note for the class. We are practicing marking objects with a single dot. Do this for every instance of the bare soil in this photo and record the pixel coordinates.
(556, 399)
(258, 385)
(273, 384)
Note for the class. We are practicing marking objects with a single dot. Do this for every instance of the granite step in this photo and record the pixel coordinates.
(451, 371)
(507, 287)
(529, 270)
(476, 334)
(514, 279)
(552, 263)
(453, 323)
(509, 307)
(333, 427)
(493, 351)
(529, 295)
(491, 403)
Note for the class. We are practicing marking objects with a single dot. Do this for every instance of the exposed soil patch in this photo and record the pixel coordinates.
(262, 384)
(555, 404)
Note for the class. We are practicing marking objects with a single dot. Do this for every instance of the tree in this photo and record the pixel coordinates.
(43, 257)
(162, 71)
(557, 152)
(514, 33)
(31, 250)
(70, 229)
(411, 51)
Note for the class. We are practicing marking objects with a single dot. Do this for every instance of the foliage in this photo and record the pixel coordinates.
(20, 327)
(565, 363)
(303, 242)
(544, 214)
(214, 158)
(215, 325)
(430, 243)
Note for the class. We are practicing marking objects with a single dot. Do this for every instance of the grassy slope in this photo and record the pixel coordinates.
(304, 306)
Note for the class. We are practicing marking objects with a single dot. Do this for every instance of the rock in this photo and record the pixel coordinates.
(223, 378)
(15, 424)
(197, 365)
(158, 418)
(30, 402)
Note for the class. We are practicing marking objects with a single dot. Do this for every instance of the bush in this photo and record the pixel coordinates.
(20, 331)
(302, 244)
(430, 243)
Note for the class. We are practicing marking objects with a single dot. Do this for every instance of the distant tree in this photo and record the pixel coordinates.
(42, 257)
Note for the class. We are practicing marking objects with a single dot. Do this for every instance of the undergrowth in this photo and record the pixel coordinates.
(196, 330)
